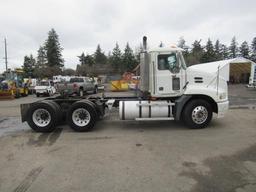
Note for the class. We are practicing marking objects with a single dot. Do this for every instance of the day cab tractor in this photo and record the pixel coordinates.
(169, 90)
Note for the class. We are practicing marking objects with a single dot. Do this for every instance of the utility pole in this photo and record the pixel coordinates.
(5, 53)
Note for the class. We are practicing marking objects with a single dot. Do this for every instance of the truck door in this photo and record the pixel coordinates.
(169, 75)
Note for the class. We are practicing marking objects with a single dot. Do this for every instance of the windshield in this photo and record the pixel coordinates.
(44, 83)
(76, 80)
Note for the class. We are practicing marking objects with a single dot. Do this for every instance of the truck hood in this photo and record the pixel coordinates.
(200, 77)
(206, 83)
(222, 66)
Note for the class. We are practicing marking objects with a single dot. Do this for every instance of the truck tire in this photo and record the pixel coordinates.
(42, 117)
(82, 116)
(197, 114)
(57, 109)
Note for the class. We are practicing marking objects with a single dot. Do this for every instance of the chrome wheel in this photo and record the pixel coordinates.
(81, 117)
(41, 117)
(199, 114)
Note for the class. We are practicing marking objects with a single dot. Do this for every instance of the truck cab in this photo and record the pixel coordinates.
(164, 72)
(165, 76)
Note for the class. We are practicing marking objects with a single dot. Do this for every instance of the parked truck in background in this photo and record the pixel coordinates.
(45, 88)
(169, 90)
(78, 85)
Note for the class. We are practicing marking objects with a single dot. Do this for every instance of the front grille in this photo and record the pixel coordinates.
(198, 79)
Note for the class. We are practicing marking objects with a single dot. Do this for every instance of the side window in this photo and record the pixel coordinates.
(168, 62)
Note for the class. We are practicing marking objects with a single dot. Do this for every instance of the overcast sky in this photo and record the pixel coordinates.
(82, 24)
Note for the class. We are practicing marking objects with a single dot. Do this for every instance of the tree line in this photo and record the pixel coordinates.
(49, 60)
(198, 53)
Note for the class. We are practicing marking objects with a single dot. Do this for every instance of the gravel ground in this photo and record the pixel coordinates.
(131, 156)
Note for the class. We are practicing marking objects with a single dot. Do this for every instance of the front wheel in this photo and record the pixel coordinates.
(197, 114)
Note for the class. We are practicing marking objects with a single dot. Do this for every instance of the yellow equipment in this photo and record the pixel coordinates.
(13, 85)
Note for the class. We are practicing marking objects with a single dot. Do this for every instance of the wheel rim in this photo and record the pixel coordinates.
(41, 117)
(199, 114)
(81, 117)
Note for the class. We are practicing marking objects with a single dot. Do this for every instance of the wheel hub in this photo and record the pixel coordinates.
(41, 117)
(199, 114)
(81, 117)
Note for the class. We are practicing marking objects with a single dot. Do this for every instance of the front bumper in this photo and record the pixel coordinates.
(42, 91)
(222, 108)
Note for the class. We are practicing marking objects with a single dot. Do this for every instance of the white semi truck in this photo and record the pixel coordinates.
(168, 91)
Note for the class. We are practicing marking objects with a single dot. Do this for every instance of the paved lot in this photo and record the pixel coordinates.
(239, 95)
(129, 156)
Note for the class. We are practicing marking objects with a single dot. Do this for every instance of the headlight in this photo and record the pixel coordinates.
(222, 96)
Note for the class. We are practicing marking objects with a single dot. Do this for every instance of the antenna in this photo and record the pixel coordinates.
(5, 54)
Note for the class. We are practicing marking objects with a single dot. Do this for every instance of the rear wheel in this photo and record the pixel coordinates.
(197, 114)
(42, 117)
(82, 116)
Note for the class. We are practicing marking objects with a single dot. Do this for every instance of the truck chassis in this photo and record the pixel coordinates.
(81, 113)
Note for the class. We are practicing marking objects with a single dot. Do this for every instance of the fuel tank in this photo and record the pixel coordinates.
(131, 110)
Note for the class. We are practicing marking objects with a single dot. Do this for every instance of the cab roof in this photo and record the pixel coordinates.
(166, 49)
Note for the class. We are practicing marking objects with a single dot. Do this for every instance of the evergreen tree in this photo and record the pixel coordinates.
(99, 56)
(82, 59)
(209, 54)
(116, 58)
(29, 66)
(224, 51)
(53, 50)
(182, 44)
(197, 51)
(217, 50)
(253, 50)
(86, 60)
(41, 57)
(244, 50)
(128, 59)
(89, 60)
(138, 51)
(233, 48)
